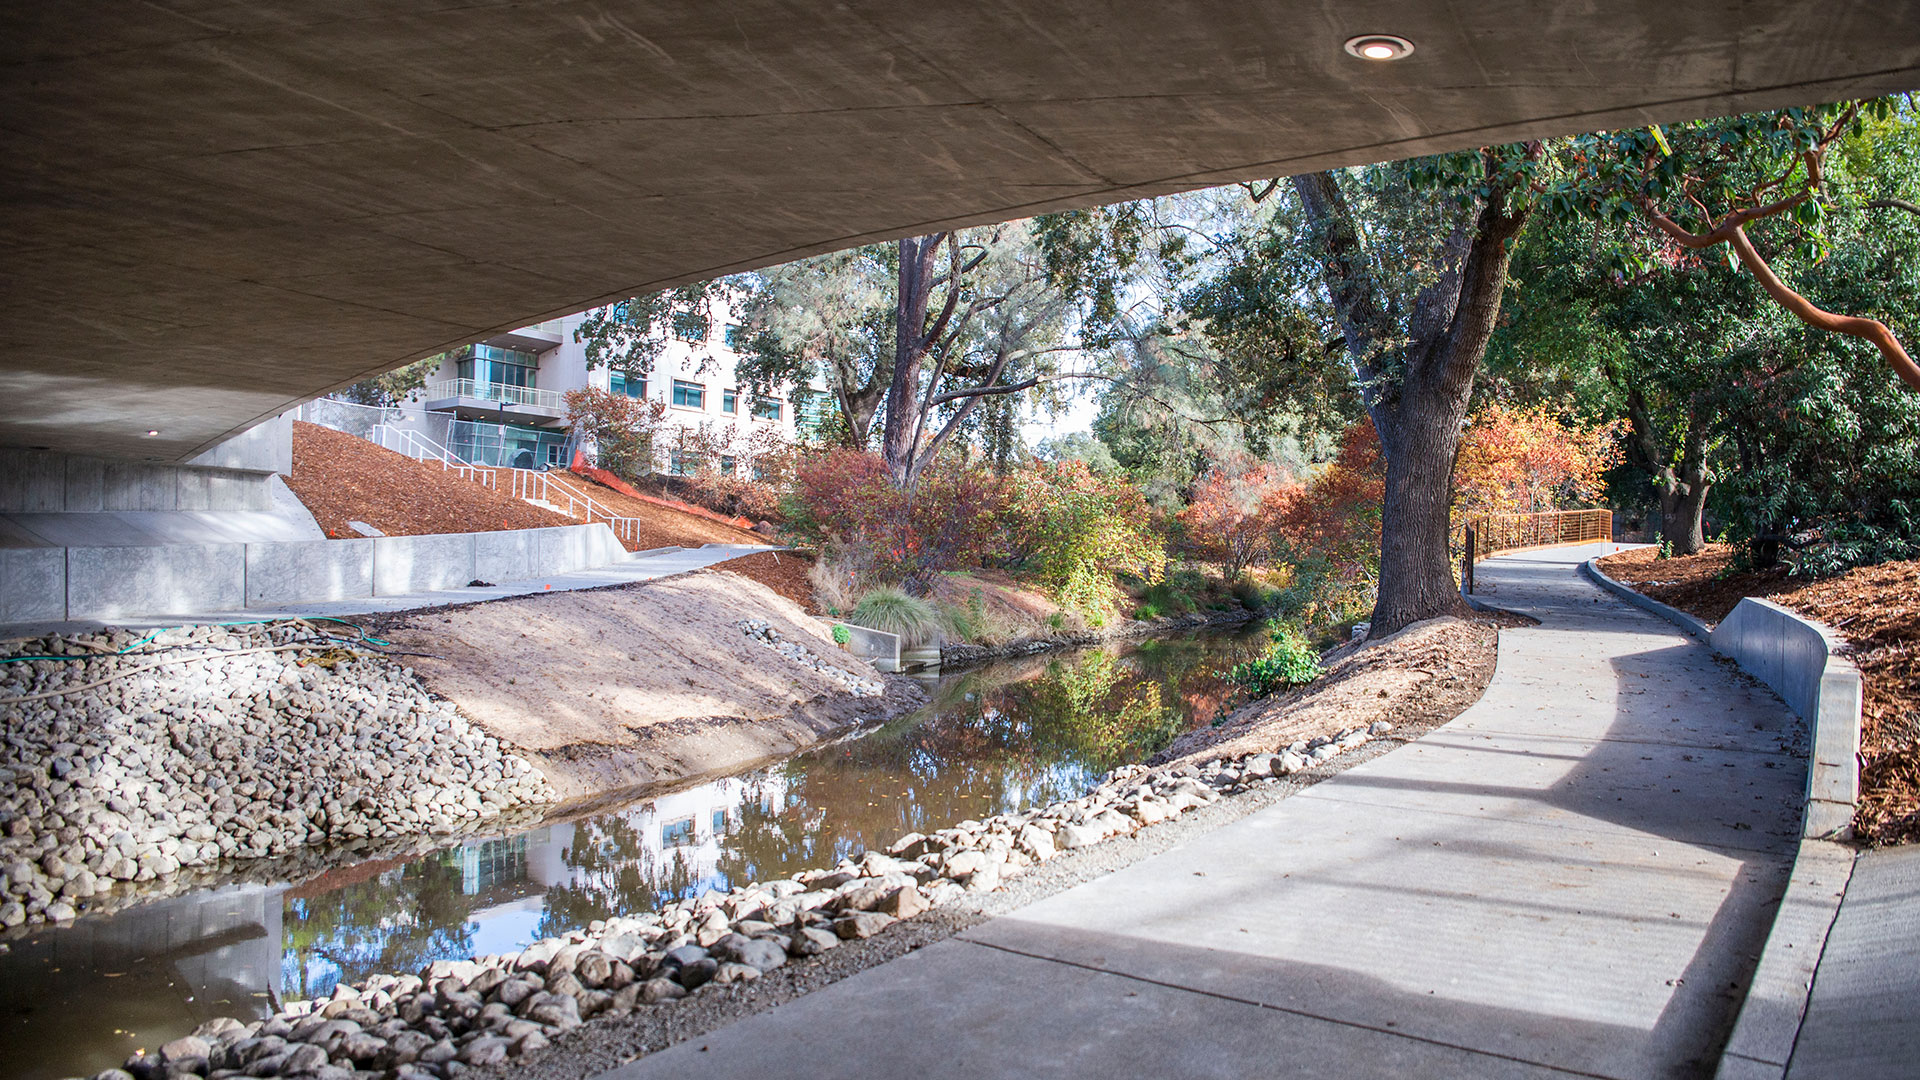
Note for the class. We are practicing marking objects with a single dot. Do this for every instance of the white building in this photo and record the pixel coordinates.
(502, 401)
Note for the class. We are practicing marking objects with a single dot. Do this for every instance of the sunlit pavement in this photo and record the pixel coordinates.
(1574, 877)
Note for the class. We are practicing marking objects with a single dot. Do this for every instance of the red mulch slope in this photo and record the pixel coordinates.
(785, 572)
(345, 478)
(667, 526)
(1876, 608)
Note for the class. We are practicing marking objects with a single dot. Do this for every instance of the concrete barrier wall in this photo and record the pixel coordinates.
(1796, 657)
(45, 482)
(877, 647)
(50, 584)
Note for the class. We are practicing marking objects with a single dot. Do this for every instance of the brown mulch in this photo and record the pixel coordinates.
(662, 526)
(344, 478)
(785, 572)
(1877, 610)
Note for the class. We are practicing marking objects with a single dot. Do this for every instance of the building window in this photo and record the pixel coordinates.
(690, 326)
(680, 463)
(726, 464)
(676, 833)
(766, 408)
(553, 454)
(719, 821)
(633, 386)
(736, 337)
(690, 395)
(497, 366)
(729, 401)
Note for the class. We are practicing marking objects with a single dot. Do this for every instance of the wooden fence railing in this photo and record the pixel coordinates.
(1491, 534)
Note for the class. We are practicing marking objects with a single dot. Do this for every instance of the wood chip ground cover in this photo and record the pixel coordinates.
(1876, 608)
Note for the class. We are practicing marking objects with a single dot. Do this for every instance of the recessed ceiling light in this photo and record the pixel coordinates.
(152, 432)
(1379, 47)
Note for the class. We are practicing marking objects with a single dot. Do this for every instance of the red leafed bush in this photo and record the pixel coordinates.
(1233, 516)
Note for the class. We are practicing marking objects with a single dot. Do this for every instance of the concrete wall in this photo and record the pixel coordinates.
(877, 647)
(47, 585)
(265, 447)
(1795, 657)
(39, 481)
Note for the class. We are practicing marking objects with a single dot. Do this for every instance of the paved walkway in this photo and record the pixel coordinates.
(1574, 877)
(639, 568)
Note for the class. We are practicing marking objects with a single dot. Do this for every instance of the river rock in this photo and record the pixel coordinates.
(861, 924)
(655, 991)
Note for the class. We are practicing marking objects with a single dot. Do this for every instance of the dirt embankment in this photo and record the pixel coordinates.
(1416, 680)
(1877, 610)
(611, 688)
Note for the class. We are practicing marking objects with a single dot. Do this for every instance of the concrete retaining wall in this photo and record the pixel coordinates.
(877, 647)
(1795, 656)
(49, 585)
(36, 481)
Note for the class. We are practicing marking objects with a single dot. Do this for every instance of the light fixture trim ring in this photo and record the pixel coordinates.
(1379, 47)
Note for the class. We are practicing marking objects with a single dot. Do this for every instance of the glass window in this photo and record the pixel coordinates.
(766, 408)
(726, 464)
(729, 401)
(690, 326)
(690, 394)
(736, 336)
(680, 463)
(633, 386)
(719, 821)
(675, 833)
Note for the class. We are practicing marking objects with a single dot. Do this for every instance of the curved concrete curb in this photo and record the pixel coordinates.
(1674, 615)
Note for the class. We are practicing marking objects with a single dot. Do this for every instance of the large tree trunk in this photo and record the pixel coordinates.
(1419, 403)
(1683, 511)
(1416, 572)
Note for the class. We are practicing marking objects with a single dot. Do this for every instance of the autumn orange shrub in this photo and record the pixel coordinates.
(1233, 516)
(1523, 461)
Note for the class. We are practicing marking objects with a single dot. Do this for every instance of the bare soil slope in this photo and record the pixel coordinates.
(610, 688)
(1417, 679)
(1877, 610)
(345, 478)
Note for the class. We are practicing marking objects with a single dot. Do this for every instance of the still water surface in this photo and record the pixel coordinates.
(993, 739)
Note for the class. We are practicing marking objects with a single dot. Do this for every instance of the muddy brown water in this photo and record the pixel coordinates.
(999, 737)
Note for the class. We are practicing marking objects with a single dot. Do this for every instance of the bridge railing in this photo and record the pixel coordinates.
(1486, 535)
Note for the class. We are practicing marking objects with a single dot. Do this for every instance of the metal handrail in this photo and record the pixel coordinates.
(1491, 534)
(547, 488)
(415, 445)
(493, 391)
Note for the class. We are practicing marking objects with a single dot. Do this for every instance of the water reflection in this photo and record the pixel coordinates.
(1001, 737)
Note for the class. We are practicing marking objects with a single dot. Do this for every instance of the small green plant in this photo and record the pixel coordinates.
(841, 635)
(1665, 551)
(1057, 620)
(1288, 662)
(1148, 610)
(895, 612)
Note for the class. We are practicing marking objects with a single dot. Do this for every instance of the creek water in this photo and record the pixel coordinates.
(999, 737)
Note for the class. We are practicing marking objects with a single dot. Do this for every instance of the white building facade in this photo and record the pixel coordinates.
(502, 401)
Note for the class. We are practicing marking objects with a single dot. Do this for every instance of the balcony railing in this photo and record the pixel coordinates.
(501, 392)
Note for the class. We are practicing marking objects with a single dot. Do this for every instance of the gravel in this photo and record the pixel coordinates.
(212, 744)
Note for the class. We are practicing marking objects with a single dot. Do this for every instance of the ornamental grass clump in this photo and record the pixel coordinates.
(895, 612)
(1288, 662)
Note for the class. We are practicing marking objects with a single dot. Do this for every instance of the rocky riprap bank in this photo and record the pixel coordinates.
(469, 1013)
(211, 743)
(763, 632)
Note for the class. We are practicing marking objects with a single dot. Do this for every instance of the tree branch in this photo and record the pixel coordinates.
(1894, 204)
(1871, 330)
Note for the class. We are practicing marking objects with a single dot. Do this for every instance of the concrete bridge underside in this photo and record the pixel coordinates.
(215, 209)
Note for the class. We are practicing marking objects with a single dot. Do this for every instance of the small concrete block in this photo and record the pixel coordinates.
(33, 584)
(308, 571)
(170, 579)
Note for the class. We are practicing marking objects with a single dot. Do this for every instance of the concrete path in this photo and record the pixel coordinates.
(639, 567)
(1863, 1018)
(1574, 877)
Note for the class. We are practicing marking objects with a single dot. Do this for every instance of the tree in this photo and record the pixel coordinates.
(973, 313)
(389, 390)
(830, 319)
(630, 335)
(1415, 352)
(1231, 519)
(623, 429)
(1528, 460)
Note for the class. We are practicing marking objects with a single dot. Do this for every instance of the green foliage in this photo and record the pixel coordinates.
(1289, 661)
(841, 635)
(1077, 530)
(394, 387)
(622, 429)
(891, 610)
(631, 334)
(1665, 550)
